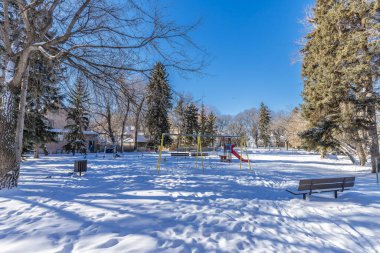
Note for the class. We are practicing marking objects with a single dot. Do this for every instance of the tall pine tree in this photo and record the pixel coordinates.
(264, 124)
(77, 118)
(210, 128)
(359, 59)
(43, 95)
(191, 125)
(339, 71)
(159, 103)
(179, 118)
(202, 120)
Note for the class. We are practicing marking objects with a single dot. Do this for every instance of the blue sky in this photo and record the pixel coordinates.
(252, 44)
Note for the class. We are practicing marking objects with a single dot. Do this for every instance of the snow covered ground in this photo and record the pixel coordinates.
(123, 205)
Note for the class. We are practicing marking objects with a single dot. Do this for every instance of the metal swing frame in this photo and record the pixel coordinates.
(243, 145)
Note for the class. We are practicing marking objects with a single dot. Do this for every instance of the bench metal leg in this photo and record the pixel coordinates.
(336, 194)
(304, 196)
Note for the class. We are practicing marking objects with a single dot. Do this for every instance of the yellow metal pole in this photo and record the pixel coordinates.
(246, 152)
(200, 149)
(160, 154)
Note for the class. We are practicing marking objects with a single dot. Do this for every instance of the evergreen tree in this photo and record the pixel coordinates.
(323, 88)
(264, 124)
(203, 120)
(179, 118)
(191, 125)
(77, 118)
(159, 103)
(339, 76)
(211, 128)
(43, 95)
(359, 52)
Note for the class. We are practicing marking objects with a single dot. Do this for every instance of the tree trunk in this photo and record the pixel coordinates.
(11, 130)
(322, 153)
(9, 168)
(109, 125)
(374, 139)
(21, 118)
(347, 150)
(256, 138)
(35, 153)
(372, 128)
(137, 121)
(123, 128)
(361, 154)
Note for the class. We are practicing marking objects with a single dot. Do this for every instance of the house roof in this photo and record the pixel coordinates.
(62, 131)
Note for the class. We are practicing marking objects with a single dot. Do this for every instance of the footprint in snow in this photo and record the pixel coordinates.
(108, 244)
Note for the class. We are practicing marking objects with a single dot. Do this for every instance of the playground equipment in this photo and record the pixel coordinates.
(238, 156)
(225, 142)
(228, 149)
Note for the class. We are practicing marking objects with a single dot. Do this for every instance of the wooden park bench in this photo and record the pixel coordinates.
(310, 186)
(199, 154)
(80, 166)
(179, 154)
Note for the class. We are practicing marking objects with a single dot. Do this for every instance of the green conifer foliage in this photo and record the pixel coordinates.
(339, 71)
(179, 118)
(191, 125)
(210, 128)
(264, 124)
(159, 103)
(203, 120)
(43, 95)
(77, 118)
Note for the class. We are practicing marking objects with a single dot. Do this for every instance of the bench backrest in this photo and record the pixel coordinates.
(180, 154)
(326, 183)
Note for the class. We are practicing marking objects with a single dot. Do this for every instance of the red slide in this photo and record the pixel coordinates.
(237, 155)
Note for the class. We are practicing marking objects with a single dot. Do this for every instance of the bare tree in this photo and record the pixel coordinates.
(105, 109)
(251, 122)
(278, 123)
(83, 34)
(222, 122)
(125, 101)
(138, 110)
(294, 125)
(237, 127)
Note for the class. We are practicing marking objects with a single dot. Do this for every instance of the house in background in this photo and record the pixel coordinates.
(104, 143)
(57, 121)
(129, 143)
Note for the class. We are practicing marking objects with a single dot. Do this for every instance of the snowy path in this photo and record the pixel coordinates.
(122, 205)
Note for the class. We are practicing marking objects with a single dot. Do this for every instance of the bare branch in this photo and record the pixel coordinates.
(70, 27)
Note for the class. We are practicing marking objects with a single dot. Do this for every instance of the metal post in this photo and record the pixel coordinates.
(246, 152)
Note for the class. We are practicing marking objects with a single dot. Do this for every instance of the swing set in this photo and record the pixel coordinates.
(225, 143)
